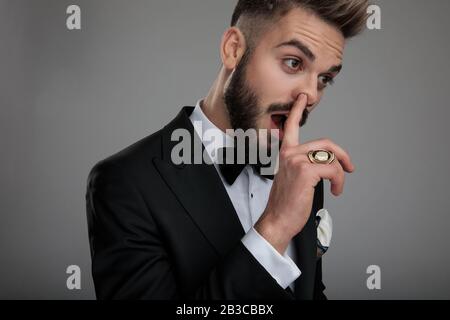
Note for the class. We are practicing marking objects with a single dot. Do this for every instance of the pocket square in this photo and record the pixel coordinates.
(324, 224)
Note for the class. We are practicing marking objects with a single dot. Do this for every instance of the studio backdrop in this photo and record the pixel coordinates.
(73, 92)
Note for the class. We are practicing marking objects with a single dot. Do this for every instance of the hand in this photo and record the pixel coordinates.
(292, 194)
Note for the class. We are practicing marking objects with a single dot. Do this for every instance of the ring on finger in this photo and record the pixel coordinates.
(321, 156)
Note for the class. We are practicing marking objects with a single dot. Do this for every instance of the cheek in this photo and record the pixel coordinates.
(270, 82)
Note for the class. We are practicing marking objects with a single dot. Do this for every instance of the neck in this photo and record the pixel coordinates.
(213, 105)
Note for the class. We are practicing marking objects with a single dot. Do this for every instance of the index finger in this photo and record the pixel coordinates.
(292, 124)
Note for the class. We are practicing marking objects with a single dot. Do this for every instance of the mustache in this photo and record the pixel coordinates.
(287, 107)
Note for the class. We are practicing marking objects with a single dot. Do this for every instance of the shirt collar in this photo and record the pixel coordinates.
(211, 136)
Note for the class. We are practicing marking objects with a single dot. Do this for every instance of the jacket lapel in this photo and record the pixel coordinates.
(202, 194)
(199, 189)
(306, 250)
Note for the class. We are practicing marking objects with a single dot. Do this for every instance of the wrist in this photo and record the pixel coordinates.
(273, 232)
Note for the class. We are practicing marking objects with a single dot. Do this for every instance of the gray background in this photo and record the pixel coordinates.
(71, 98)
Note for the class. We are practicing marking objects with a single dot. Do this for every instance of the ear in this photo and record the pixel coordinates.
(232, 48)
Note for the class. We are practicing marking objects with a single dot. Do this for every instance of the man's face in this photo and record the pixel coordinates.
(299, 54)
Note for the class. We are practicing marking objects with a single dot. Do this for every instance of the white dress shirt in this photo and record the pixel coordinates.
(249, 195)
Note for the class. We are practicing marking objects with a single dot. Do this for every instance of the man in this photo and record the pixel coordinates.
(162, 229)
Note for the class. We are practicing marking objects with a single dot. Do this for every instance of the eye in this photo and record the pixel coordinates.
(325, 81)
(293, 64)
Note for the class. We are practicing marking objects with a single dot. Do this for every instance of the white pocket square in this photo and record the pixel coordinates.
(324, 224)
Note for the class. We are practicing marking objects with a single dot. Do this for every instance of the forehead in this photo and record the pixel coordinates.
(321, 37)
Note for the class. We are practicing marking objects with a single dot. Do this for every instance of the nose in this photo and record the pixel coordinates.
(308, 86)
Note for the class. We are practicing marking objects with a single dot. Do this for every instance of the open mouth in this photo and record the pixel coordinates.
(279, 121)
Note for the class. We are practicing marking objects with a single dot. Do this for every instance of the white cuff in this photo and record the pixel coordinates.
(281, 268)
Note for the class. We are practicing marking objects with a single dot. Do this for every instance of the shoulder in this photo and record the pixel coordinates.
(130, 162)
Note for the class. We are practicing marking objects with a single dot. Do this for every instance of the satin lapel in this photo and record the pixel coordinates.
(200, 190)
(306, 250)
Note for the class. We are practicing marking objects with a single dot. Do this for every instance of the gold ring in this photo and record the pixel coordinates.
(321, 156)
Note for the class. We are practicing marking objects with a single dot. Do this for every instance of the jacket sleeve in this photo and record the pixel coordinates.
(130, 260)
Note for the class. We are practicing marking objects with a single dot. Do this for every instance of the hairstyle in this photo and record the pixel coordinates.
(253, 16)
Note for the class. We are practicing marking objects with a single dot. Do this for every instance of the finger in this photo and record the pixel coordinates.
(292, 125)
(341, 155)
(334, 173)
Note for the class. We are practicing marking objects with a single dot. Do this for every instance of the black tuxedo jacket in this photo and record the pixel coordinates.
(164, 231)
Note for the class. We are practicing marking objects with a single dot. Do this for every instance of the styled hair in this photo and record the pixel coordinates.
(252, 16)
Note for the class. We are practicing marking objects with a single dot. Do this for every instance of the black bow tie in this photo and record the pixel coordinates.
(231, 169)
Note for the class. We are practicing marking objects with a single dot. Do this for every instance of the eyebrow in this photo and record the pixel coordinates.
(307, 52)
(300, 46)
(335, 69)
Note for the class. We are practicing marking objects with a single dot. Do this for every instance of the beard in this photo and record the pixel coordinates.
(242, 104)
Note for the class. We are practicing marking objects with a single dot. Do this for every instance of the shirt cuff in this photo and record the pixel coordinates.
(280, 267)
